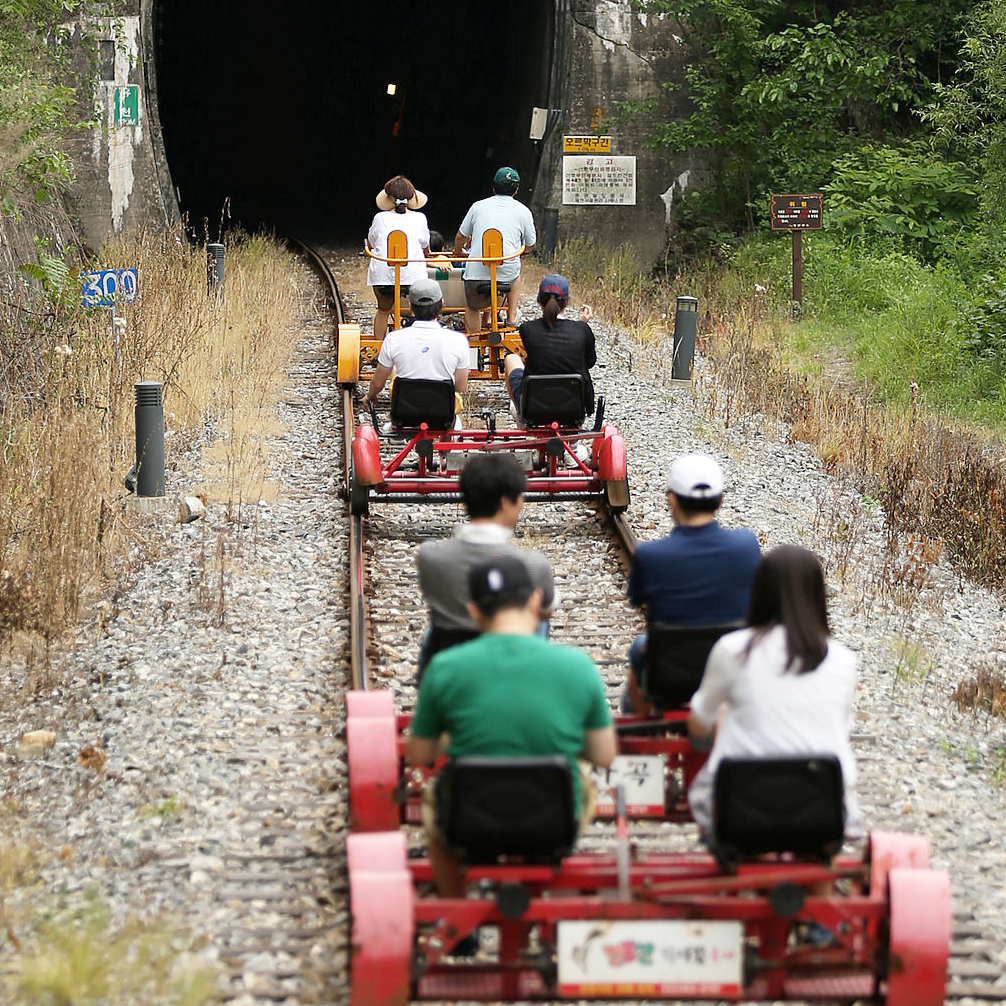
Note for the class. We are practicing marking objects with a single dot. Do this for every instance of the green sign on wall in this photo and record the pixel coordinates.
(127, 105)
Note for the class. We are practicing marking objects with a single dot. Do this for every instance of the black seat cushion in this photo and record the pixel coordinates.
(763, 805)
(484, 287)
(414, 402)
(492, 807)
(675, 659)
(553, 398)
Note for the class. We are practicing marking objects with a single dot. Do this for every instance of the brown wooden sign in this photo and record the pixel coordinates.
(797, 212)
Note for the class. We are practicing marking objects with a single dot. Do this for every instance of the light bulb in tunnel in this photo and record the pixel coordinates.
(392, 88)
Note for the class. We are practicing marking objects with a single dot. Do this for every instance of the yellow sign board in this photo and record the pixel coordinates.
(586, 144)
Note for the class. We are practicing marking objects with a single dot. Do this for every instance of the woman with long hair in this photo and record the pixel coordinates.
(782, 686)
(398, 205)
(554, 345)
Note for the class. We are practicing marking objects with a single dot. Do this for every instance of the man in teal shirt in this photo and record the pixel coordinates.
(508, 693)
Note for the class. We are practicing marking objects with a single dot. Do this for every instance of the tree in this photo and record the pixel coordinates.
(779, 91)
(968, 115)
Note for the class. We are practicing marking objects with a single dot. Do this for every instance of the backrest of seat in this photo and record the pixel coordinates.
(553, 398)
(675, 659)
(492, 807)
(398, 248)
(492, 247)
(414, 402)
(792, 804)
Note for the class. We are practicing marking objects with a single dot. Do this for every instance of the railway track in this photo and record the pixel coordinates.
(387, 620)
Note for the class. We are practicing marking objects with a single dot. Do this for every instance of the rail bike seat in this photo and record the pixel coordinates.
(778, 805)
(414, 402)
(484, 286)
(515, 806)
(675, 659)
(553, 398)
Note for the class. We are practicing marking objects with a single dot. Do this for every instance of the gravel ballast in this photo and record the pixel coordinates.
(213, 685)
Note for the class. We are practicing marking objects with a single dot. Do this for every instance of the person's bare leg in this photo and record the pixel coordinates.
(381, 323)
(447, 873)
(512, 300)
(510, 364)
(473, 320)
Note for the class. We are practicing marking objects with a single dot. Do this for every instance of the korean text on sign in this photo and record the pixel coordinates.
(797, 212)
(586, 144)
(598, 181)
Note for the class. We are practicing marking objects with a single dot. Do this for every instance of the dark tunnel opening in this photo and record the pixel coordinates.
(283, 109)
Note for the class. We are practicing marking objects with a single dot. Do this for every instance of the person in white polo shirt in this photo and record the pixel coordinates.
(425, 350)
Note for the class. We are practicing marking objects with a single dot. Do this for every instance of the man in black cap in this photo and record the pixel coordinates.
(502, 212)
(508, 693)
(425, 350)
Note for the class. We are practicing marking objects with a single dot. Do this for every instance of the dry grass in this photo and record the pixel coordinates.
(983, 691)
(68, 426)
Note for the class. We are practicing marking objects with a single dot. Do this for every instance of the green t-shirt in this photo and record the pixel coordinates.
(512, 695)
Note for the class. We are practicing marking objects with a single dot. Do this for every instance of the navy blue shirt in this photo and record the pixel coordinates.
(696, 575)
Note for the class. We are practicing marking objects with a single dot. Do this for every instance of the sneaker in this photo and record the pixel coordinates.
(818, 936)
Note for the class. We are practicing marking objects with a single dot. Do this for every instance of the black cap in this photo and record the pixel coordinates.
(500, 583)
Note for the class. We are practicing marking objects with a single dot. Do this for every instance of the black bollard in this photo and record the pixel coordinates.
(686, 323)
(149, 439)
(215, 270)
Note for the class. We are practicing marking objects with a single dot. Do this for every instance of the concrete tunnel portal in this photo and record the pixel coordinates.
(283, 110)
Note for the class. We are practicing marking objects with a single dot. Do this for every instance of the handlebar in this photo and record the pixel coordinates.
(440, 257)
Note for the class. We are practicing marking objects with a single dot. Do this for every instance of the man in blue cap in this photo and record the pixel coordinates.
(502, 212)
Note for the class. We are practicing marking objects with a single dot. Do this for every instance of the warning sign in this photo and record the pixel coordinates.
(797, 212)
(598, 181)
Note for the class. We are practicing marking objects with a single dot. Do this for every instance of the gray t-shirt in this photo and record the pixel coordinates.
(443, 570)
(514, 222)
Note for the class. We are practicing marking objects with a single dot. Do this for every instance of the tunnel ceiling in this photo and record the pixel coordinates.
(283, 109)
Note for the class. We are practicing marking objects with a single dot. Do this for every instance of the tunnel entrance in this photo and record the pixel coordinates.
(283, 109)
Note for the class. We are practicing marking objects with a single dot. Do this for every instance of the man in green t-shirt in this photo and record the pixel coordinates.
(508, 693)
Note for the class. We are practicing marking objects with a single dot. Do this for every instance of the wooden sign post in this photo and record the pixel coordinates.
(797, 213)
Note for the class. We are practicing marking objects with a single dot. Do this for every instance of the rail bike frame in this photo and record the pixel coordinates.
(490, 344)
(426, 467)
(629, 923)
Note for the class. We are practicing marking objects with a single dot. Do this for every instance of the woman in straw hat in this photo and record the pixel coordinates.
(398, 202)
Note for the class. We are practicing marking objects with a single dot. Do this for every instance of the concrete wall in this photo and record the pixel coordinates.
(122, 179)
(607, 51)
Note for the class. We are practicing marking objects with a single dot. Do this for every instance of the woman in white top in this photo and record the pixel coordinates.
(780, 687)
(398, 202)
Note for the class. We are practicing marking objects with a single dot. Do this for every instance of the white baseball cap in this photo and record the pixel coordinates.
(695, 477)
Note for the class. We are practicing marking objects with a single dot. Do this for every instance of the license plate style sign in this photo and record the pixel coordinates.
(666, 958)
(107, 287)
(642, 777)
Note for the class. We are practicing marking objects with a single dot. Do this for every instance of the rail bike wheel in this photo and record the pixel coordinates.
(918, 937)
(359, 497)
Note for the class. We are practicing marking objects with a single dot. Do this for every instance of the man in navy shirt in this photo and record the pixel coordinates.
(700, 574)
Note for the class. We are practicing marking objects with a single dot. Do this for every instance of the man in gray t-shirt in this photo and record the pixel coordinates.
(492, 487)
(501, 211)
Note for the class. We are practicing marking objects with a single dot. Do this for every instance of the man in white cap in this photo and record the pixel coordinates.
(425, 350)
(502, 212)
(700, 574)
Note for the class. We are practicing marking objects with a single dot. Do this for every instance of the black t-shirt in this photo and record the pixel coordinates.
(566, 349)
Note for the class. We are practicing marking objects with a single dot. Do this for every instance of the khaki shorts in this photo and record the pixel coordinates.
(588, 802)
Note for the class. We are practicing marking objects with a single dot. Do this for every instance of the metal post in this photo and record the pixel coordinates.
(149, 439)
(798, 267)
(549, 232)
(215, 270)
(686, 323)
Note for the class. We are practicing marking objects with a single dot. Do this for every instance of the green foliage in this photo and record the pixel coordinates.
(36, 105)
(968, 115)
(779, 91)
(53, 274)
(921, 200)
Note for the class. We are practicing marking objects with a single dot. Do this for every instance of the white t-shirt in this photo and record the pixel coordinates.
(772, 712)
(417, 231)
(512, 219)
(425, 351)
